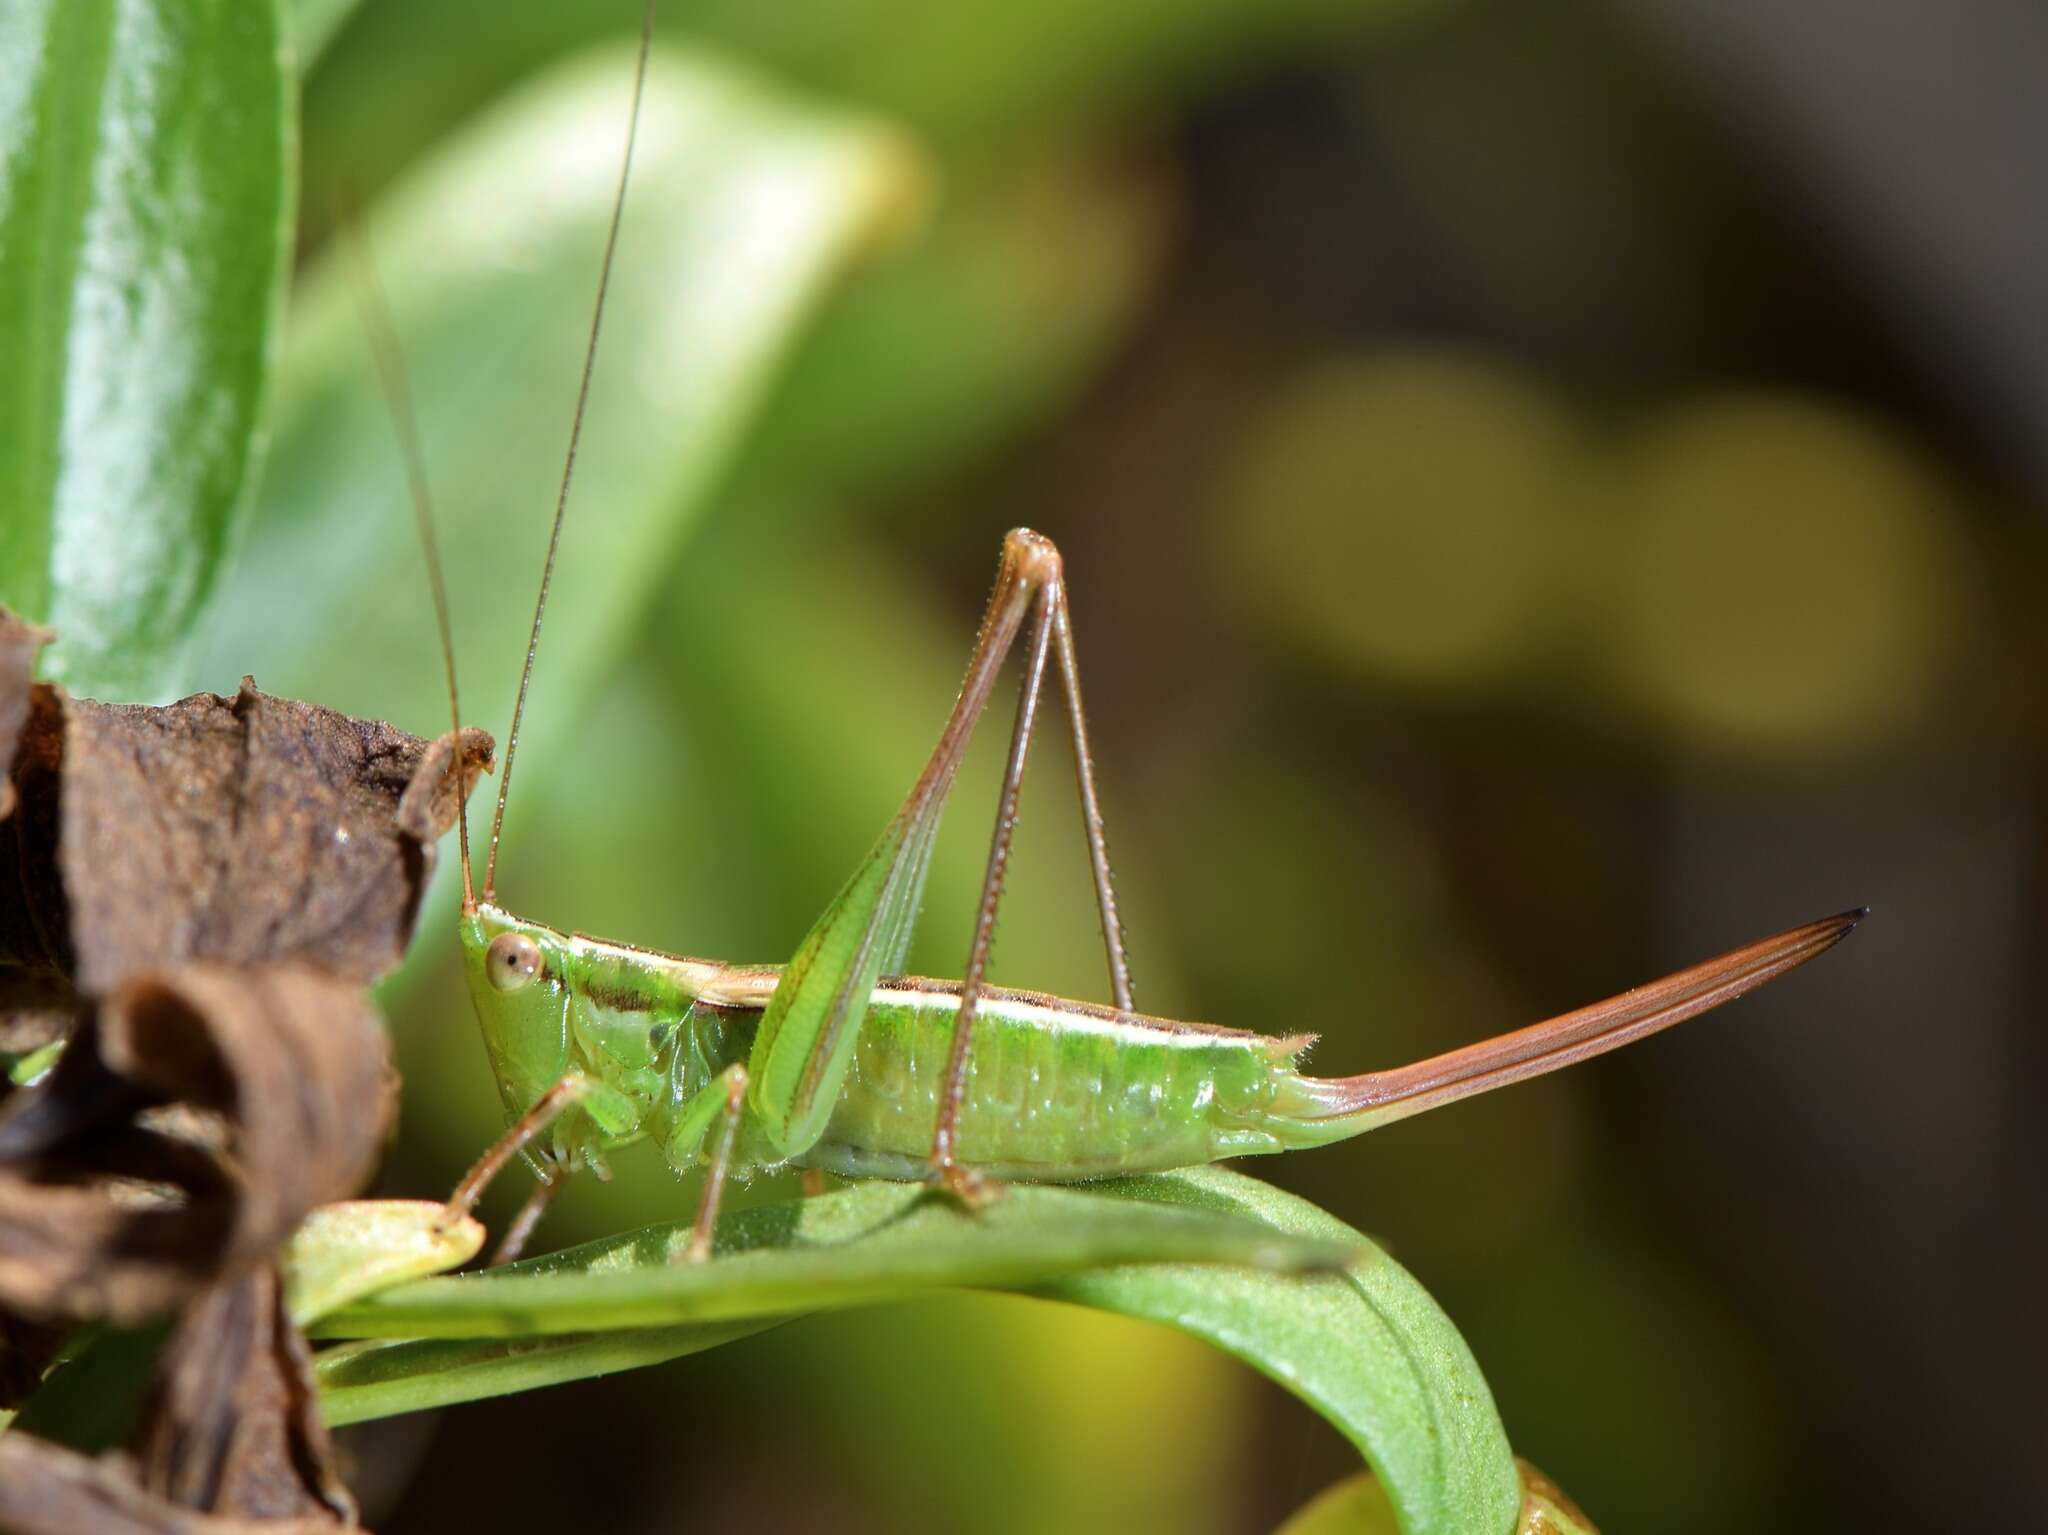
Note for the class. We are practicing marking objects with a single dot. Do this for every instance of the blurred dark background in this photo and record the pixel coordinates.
(1550, 493)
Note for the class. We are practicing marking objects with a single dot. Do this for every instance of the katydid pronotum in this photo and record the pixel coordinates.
(834, 1062)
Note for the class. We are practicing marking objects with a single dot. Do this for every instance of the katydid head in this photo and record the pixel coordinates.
(515, 970)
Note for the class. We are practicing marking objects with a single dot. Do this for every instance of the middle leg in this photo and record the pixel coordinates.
(721, 1102)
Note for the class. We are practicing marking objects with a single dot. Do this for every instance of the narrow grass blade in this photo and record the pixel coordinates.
(874, 1242)
(378, 1379)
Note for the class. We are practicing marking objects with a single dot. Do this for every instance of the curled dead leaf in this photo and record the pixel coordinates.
(1546, 1508)
(245, 830)
(196, 895)
(232, 1421)
(46, 1489)
(114, 1203)
(19, 642)
(432, 796)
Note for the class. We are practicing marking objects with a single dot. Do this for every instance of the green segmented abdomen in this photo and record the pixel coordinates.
(1055, 1092)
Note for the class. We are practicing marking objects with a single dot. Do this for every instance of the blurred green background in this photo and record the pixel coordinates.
(1549, 494)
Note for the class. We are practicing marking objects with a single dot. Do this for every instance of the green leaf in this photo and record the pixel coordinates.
(377, 1379)
(971, 73)
(746, 204)
(339, 1253)
(1368, 1349)
(342, 1252)
(988, 327)
(92, 1400)
(30, 1065)
(967, 75)
(1261, 1275)
(314, 23)
(870, 1243)
(146, 202)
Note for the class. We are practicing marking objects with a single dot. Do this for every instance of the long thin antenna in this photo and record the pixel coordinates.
(398, 397)
(547, 574)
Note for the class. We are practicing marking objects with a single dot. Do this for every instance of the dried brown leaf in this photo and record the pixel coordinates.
(46, 1489)
(113, 1206)
(37, 999)
(221, 877)
(231, 1425)
(245, 830)
(429, 801)
(19, 642)
(1546, 1508)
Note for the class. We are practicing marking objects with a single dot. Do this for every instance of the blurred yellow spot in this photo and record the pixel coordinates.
(1009, 1416)
(1394, 514)
(1358, 1505)
(1787, 576)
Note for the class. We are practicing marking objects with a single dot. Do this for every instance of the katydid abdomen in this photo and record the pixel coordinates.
(1056, 1091)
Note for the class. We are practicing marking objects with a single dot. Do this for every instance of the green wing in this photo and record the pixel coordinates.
(812, 1022)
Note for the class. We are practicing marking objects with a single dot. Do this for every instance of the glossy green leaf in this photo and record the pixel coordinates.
(146, 200)
(746, 204)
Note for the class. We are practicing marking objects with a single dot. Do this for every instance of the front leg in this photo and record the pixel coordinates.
(547, 1108)
(611, 1110)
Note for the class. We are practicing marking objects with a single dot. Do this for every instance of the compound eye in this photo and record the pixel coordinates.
(512, 961)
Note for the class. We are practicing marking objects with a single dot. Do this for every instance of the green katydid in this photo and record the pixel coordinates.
(834, 1062)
